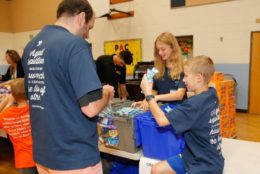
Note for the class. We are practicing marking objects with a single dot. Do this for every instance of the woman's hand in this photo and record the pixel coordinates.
(143, 105)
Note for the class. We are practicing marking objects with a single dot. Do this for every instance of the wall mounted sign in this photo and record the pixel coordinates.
(133, 45)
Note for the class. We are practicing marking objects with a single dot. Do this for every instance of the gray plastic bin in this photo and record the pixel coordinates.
(126, 133)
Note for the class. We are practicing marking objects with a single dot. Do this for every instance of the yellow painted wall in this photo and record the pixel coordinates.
(5, 23)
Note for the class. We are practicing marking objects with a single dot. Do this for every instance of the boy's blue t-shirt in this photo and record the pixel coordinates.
(59, 70)
(198, 119)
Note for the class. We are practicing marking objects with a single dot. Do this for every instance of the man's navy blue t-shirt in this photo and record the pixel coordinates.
(198, 119)
(59, 71)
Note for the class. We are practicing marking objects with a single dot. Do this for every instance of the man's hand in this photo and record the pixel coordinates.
(93, 108)
(109, 90)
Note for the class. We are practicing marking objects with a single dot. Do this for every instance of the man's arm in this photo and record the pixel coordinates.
(93, 108)
(122, 91)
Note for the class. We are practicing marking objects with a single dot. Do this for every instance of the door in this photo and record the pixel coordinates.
(254, 96)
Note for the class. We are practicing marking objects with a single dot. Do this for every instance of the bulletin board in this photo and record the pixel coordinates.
(186, 45)
(133, 45)
(187, 3)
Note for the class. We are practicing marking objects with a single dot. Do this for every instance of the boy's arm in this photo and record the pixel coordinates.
(158, 114)
(6, 102)
(177, 95)
(1, 121)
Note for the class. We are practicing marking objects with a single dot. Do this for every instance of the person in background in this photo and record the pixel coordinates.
(65, 93)
(15, 120)
(6, 101)
(197, 118)
(15, 69)
(168, 85)
(111, 69)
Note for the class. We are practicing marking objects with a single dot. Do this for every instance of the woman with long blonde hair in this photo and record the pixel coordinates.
(168, 85)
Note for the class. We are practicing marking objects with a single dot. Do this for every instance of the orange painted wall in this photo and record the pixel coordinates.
(5, 24)
(26, 15)
(29, 15)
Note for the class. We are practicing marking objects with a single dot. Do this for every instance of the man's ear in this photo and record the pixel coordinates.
(81, 18)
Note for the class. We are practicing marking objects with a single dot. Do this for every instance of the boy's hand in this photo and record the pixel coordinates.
(146, 86)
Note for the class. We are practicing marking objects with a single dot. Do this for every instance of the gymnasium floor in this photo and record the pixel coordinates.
(248, 128)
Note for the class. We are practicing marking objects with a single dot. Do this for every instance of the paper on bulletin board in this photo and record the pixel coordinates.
(133, 45)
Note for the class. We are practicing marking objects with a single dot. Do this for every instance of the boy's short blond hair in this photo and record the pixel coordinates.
(201, 65)
(18, 90)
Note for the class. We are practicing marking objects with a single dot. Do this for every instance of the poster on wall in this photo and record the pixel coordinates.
(187, 3)
(186, 44)
(133, 45)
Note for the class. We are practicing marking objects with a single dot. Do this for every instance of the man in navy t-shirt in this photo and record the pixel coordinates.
(197, 118)
(65, 93)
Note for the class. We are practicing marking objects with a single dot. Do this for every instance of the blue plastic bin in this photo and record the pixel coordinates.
(120, 168)
(157, 142)
(137, 126)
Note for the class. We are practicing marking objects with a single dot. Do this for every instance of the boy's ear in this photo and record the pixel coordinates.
(199, 78)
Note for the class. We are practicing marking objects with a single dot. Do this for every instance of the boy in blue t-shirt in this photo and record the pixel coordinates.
(197, 118)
